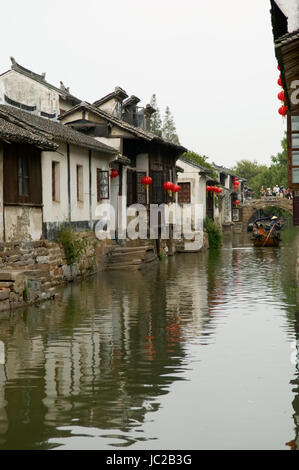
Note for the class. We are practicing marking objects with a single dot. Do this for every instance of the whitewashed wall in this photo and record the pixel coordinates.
(290, 9)
(55, 211)
(198, 183)
(1, 193)
(28, 91)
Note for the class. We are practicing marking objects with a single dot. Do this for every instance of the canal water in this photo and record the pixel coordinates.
(195, 352)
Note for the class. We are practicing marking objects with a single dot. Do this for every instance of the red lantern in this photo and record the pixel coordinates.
(236, 202)
(208, 188)
(281, 96)
(146, 180)
(168, 186)
(279, 81)
(176, 188)
(283, 110)
(113, 174)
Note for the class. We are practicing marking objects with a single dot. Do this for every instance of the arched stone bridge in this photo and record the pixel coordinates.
(248, 208)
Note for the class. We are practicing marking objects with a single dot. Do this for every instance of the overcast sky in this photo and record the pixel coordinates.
(211, 61)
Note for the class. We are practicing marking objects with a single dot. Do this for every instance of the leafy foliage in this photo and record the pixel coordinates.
(258, 175)
(72, 245)
(202, 161)
(214, 233)
(169, 129)
(155, 121)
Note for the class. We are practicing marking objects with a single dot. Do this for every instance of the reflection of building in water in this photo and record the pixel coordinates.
(294, 445)
(186, 292)
(3, 415)
(101, 354)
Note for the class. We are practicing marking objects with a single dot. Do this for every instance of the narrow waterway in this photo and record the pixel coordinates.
(196, 352)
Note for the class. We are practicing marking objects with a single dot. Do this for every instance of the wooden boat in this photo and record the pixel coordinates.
(265, 240)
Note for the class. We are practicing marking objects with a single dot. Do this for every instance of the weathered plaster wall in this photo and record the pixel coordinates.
(28, 91)
(109, 106)
(1, 193)
(23, 223)
(115, 142)
(290, 9)
(55, 211)
(198, 184)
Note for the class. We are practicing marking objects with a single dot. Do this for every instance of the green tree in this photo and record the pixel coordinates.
(258, 175)
(155, 121)
(202, 161)
(248, 169)
(168, 128)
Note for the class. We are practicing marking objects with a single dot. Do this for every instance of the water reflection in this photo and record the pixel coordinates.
(98, 362)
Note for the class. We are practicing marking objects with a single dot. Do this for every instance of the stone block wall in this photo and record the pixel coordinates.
(31, 271)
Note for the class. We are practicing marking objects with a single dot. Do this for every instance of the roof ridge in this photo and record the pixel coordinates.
(38, 77)
(22, 123)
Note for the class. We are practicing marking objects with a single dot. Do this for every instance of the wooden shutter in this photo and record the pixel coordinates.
(296, 210)
(157, 196)
(131, 187)
(30, 158)
(141, 191)
(35, 179)
(10, 173)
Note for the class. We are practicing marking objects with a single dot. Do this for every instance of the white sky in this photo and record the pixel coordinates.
(211, 61)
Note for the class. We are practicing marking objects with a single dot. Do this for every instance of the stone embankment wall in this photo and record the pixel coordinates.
(32, 271)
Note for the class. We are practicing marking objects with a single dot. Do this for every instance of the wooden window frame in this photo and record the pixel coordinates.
(55, 181)
(180, 194)
(80, 185)
(22, 179)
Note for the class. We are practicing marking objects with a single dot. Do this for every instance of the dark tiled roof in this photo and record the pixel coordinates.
(54, 131)
(137, 131)
(13, 130)
(287, 38)
(195, 165)
(117, 92)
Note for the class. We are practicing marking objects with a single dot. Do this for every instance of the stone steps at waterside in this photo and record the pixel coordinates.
(130, 257)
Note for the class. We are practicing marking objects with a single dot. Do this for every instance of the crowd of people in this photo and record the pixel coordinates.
(277, 191)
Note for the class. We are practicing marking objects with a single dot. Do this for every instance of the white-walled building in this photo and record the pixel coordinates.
(27, 90)
(49, 175)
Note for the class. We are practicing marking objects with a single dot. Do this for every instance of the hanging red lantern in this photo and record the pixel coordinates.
(281, 96)
(146, 181)
(113, 174)
(168, 186)
(279, 81)
(208, 188)
(283, 110)
(236, 202)
(176, 188)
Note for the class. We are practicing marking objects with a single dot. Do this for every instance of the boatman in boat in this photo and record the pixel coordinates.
(275, 224)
